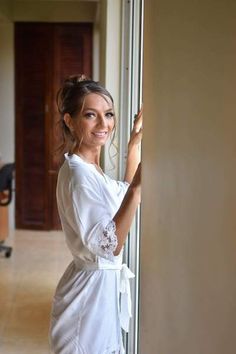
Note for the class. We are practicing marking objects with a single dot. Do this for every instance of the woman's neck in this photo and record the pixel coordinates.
(89, 155)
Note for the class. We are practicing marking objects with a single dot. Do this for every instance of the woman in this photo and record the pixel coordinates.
(92, 299)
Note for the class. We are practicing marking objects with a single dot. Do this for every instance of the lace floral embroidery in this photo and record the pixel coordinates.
(108, 240)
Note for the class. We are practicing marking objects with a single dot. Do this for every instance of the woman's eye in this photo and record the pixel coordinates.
(89, 115)
(110, 115)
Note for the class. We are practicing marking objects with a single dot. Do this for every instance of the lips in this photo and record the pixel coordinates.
(100, 134)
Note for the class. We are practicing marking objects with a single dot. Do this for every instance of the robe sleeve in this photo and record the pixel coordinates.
(122, 187)
(94, 221)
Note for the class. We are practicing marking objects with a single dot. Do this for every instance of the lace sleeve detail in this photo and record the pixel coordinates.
(107, 241)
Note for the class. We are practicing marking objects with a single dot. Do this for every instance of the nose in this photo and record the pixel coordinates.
(102, 120)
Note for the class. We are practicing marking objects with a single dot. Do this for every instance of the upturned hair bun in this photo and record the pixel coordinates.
(82, 77)
(75, 79)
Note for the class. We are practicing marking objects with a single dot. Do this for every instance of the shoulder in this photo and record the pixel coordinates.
(79, 172)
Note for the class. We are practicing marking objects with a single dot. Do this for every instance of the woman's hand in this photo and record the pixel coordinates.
(136, 133)
(134, 151)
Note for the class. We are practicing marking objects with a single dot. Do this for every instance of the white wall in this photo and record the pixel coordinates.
(110, 70)
(7, 122)
(96, 45)
(7, 137)
(188, 262)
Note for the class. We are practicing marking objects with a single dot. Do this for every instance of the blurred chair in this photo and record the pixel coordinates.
(6, 177)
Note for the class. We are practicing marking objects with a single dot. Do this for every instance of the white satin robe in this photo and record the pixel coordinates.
(92, 300)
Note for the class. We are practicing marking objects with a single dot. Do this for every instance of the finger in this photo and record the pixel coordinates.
(140, 112)
(138, 124)
(139, 132)
(136, 138)
(138, 120)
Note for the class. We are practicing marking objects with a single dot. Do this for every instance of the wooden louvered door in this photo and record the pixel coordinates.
(72, 55)
(44, 55)
(32, 87)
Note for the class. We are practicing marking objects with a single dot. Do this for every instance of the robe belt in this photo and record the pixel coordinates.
(125, 297)
(124, 288)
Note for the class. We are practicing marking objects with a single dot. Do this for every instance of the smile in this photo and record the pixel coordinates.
(100, 134)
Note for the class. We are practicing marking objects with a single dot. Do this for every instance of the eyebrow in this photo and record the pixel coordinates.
(93, 109)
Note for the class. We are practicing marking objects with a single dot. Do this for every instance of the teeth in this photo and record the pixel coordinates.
(100, 134)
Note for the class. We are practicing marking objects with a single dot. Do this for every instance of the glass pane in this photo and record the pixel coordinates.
(131, 99)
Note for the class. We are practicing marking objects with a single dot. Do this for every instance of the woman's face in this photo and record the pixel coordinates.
(95, 122)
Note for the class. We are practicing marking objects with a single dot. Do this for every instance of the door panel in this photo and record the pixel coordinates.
(72, 55)
(31, 87)
(44, 55)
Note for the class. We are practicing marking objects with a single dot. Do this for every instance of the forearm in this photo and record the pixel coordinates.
(124, 217)
(133, 159)
(125, 214)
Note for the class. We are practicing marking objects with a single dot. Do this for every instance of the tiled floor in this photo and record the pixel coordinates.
(27, 282)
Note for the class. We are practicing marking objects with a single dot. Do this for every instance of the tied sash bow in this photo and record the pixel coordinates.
(125, 297)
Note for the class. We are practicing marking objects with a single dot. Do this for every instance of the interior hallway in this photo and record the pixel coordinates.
(27, 283)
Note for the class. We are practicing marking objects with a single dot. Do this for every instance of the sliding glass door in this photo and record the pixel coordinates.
(131, 100)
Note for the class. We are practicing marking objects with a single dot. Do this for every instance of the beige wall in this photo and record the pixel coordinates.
(5, 10)
(188, 253)
(54, 11)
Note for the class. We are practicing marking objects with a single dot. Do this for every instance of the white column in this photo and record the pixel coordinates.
(110, 62)
(7, 105)
(7, 121)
